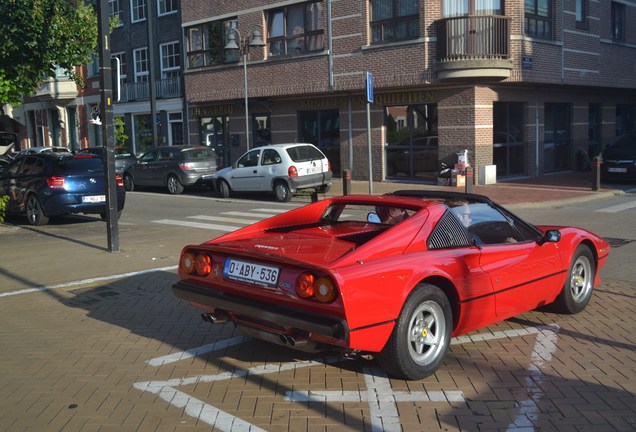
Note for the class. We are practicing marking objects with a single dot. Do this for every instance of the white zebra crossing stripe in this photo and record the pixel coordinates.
(243, 219)
(617, 208)
(226, 228)
(224, 219)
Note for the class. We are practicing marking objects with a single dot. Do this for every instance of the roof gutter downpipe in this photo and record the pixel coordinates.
(330, 44)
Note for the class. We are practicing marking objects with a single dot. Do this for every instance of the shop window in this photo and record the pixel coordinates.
(618, 21)
(411, 141)
(595, 123)
(295, 29)
(205, 44)
(142, 137)
(215, 134)
(175, 131)
(394, 20)
(262, 130)
(509, 148)
(538, 14)
(556, 137)
(625, 118)
(322, 129)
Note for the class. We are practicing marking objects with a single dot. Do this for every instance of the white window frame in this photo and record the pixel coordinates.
(142, 65)
(175, 55)
(122, 62)
(116, 9)
(137, 8)
(163, 4)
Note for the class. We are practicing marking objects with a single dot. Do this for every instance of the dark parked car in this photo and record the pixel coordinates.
(619, 158)
(174, 167)
(44, 185)
(123, 158)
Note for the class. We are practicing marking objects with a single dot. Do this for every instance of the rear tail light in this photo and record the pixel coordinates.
(292, 171)
(55, 182)
(328, 165)
(196, 264)
(323, 289)
(119, 180)
(186, 166)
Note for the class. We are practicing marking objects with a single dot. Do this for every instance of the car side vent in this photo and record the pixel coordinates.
(449, 233)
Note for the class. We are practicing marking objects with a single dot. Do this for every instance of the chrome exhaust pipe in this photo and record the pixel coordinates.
(296, 342)
(283, 339)
(214, 319)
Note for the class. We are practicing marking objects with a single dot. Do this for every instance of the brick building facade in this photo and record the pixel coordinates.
(522, 89)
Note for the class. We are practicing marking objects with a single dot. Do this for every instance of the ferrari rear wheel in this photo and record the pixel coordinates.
(421, 336)
(577, 291)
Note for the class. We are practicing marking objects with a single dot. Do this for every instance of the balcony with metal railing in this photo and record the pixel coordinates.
(473, 46)
(164, 89)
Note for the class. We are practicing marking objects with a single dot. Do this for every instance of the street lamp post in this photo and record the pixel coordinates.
(253, 40)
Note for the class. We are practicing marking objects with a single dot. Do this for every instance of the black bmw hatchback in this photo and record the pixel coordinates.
(46, 185)
(618, 160)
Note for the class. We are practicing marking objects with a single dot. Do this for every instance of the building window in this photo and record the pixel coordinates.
(394, 20)
(625, 118)
(618, 21)
(322, 129)
(453, 8)
(205, 44)
(92, 68)
(166, 7)
(138, 10)
(122, 64)
(595, 124)
(115, 10)
(539, 18)
(295, 29)
(170, 59)
(141, 64)
(580, 11)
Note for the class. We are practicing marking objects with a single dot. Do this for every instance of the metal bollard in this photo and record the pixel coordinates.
(346, 182)
(470, 179)
(596, 173)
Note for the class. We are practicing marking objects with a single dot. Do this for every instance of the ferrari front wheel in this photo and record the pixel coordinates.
(421, 336)
(577, 290)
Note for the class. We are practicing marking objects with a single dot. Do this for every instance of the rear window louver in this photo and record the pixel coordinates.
(449, 233)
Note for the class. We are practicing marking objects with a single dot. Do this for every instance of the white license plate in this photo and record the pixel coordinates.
(617, 170)
(94, 198)
(313, 170)
(256, 274)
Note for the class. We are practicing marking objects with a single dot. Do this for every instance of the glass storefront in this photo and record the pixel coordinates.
(322, 129)
(143, 133)
(215, 134)
(411, 141)
(556, 137)
(509, 147)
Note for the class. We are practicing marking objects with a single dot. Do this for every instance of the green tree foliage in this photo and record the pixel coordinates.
(4, 199)
(121, 138)
(38, 35)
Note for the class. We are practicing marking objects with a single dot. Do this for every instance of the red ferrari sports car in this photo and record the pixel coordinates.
(394, 275)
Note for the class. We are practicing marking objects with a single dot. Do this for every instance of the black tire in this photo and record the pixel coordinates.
(129, 183)
(421, 337)
(323, 189)
(34, 213)
(579, 285)
(174, 185)
(282, 192)
(224, 189)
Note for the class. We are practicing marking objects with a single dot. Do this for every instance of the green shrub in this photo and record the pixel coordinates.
(3, 206)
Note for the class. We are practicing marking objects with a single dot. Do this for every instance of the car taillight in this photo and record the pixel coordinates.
(119, 180)
(322, 288)
(186, 166)
(55, 182)
(328, 165)
(292, 171)
(197, 264)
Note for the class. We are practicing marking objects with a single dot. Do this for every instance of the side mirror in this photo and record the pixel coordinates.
(550, 236)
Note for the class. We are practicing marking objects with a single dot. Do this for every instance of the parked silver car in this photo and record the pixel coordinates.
(279, 168)
(174, 167)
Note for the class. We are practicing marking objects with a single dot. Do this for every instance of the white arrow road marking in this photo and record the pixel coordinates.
(379, 394)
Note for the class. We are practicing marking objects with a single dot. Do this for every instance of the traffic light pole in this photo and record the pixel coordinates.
(108, 138)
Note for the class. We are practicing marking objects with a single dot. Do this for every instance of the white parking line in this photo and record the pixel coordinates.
(85, 281)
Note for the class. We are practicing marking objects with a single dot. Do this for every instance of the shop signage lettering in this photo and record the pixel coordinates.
(211, 111)
(400, 98)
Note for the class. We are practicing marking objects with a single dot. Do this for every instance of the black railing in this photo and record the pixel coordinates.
(473, 37)
(164, 88)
